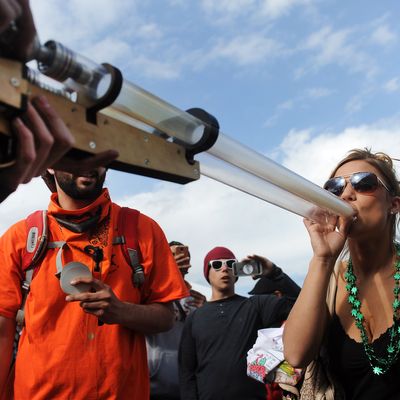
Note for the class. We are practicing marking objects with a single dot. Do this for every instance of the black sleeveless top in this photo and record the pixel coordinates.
(351, 366)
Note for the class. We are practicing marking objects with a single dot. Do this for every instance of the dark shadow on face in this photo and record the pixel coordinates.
(82, 189)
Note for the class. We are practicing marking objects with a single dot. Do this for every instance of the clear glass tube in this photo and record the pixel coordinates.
(146, 107)
(249, 160)
(135, 103)
(143, 105)
(179, 124)
(248, 183)
(78, 73)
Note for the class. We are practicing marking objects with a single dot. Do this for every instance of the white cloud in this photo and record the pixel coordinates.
(279, 111)
(334, 47)
(279, 8)
(177, 2)
(227, 10)
(149, 31)
(310, 94)
(286, 105)
(76, 22)
(227, 7)
(137, 44)
(383, 36)
(157, 69)
(100, 12)
(357, 102)
(112, 50)
(318, 92)
(314, 155)
(245, 50)
(17, 206)
(393, 85)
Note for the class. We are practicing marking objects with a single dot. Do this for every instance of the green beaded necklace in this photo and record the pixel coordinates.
(379, 365)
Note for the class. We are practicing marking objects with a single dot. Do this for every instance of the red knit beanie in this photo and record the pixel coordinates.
(217, 253)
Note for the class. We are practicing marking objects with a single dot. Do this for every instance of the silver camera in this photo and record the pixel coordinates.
(247, 268)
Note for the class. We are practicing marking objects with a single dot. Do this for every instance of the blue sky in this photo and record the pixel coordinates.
(301, 81)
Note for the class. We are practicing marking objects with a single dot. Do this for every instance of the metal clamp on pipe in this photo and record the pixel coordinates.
(114, 88)
(209, 137)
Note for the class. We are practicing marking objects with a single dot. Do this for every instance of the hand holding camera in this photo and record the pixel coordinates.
(253, 266)
(247, 268)
(182, 256)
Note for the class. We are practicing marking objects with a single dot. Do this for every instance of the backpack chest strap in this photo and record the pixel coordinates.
(29, 272)
(60, 246)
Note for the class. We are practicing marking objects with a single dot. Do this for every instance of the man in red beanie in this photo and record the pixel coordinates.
(217, 336)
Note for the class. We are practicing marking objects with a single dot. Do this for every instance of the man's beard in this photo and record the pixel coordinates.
(67, 183)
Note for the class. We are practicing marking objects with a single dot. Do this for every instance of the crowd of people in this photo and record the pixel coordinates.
(134, 328)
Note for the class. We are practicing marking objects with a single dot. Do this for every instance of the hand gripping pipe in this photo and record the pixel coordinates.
(244, 168)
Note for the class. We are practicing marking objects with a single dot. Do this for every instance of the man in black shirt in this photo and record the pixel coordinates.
(216, 337)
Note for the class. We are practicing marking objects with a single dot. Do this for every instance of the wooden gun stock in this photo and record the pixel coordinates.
(140, 152)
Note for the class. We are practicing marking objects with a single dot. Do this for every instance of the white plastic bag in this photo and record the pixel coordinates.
(266, 362)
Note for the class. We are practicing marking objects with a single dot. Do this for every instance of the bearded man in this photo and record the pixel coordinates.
(87, 345)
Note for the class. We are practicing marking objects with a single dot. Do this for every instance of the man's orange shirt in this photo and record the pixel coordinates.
(63, 352)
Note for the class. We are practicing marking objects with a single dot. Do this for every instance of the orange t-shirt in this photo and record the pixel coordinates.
(63, 352)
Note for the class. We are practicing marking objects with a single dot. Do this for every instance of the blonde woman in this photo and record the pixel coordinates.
(362, 333)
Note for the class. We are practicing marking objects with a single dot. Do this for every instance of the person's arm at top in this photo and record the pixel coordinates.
(187, 363)
(42, 137)
(7, 332)
(305, 328)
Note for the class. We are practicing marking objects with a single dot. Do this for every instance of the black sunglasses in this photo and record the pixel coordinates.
(362, 182)
(217, 264)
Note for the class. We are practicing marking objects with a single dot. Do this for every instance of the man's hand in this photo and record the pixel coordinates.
(182, 256)
(197, 299)
(267, 265)
(183, 261)
(105, 305)
(102, 303)
(43, 140)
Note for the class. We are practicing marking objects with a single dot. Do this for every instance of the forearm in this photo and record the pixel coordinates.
(7, 331)
(271, 270)
(146, 318)
(306, 324)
